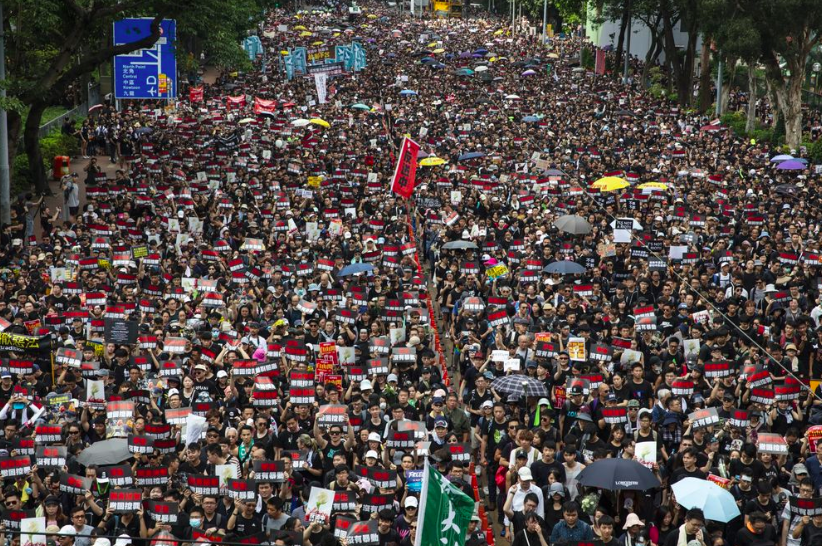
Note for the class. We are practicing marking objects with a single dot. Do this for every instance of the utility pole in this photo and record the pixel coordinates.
(719, 86)
(513, 17)
(627, 46)
(544, 21)
(5, 183)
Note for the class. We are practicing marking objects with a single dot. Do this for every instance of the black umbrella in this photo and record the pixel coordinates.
(787, 189)
(616, 474)
(459, 245)
(573, 224)
(107, 452)
(519, 384)
(564, 267)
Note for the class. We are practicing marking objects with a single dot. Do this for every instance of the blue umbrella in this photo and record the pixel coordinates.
(353, 269)
(464, 72)
(781, 157)
(471, 155)
(480, 51)
(465, 55)
(717, 503)
(530, 119)
(436, 66)
(407, 92)
(428, 60)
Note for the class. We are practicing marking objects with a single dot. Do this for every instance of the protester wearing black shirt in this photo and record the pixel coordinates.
(244, 521)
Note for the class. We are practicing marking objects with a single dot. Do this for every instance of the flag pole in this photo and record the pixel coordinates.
(423, 496)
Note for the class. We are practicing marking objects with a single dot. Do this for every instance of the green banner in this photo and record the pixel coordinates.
(445, 511)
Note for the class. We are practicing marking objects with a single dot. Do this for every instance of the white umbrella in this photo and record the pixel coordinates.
(481, 68)
(636, 225)
(300, 122)
(512, 97)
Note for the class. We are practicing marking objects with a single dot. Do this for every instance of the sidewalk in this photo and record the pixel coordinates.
(77, 165)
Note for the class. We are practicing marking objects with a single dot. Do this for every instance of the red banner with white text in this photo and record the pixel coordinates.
(406, 170)
(235, 102)
(262, 106)
(195, 94)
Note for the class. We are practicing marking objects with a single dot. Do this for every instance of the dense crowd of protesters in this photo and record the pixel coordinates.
(232, 240)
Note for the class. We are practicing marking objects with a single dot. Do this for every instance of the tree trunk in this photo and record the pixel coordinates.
(623, 27)
(750, 123)
(686, 75)
(730, 70)
(705, 78)
(789, 98)
(653, 51)
(31, 142)
(14, 122)
(678, 73)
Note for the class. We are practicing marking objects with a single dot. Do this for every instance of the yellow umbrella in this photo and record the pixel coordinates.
(318, 42)
(553, 56)
(336, 34)
(440, 50)
(300, 27)
(372, 16)
(432, 44)
(304, 33)
(654, 186)
(432, 162)
(320, 122)
(610, 183)
(283, 52)
(499, 32)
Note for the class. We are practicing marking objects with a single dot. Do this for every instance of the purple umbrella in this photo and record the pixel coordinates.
(791, 165)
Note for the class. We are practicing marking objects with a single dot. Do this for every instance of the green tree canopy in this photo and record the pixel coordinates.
(52, 45)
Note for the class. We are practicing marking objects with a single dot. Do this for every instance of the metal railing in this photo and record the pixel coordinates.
(92, 98)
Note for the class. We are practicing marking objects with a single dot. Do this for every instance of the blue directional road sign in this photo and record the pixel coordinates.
(145, 73)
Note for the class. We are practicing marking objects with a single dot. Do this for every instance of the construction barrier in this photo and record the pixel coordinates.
(427, 298)
(486, 525)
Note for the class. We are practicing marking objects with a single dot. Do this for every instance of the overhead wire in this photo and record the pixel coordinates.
(707, 301)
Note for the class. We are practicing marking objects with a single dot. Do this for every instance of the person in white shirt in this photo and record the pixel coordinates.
(517, 492)
(254, 338)
(524, 449)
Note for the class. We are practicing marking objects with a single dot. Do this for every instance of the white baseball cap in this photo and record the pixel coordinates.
(525, 474)
(373, 454)
(411, 501)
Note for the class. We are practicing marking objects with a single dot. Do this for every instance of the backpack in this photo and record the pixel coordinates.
(636, 435)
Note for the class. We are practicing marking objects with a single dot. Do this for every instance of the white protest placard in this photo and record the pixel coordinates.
(512, 365)
(320, 503)
(499, 355)
(645, 453)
